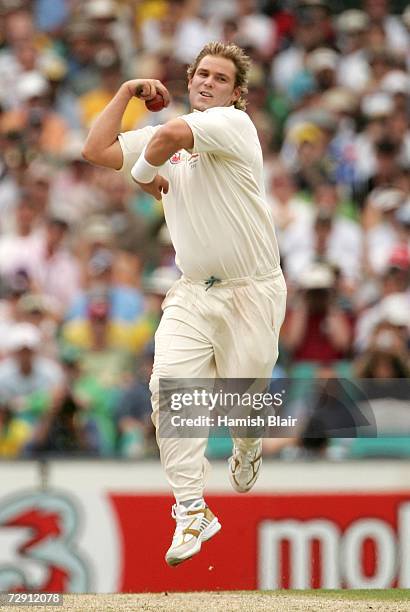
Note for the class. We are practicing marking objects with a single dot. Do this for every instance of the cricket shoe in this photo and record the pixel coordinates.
(244, 467)
(195, 524)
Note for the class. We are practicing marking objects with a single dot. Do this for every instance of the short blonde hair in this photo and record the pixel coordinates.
(239, 58)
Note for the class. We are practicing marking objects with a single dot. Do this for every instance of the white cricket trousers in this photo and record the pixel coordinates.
(230, 330)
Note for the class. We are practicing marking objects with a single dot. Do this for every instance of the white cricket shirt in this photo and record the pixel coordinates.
(216, 210)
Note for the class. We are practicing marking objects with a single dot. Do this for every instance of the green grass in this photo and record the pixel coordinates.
(361, 594)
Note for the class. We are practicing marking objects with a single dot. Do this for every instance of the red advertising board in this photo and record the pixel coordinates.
(271, 541)
(96, 528)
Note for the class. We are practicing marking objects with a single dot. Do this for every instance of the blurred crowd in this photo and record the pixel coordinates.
(85, 257)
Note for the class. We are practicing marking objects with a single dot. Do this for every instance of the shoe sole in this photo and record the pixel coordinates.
(208, 533)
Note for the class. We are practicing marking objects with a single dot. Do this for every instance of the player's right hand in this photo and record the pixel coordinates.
(146, 89)
(156, 188)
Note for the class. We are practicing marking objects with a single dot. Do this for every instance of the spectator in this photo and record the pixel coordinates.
(63, 429)
(156, 287)
(380, 63)
(45, 131)
(51, 16)
(121, 308)
(94, 101)
(304, 152)
(343, 247)
(386, 166)
(254, 29)
(36, 183)
(103, 326)
(81, 47)
(129, 230)
(383, 372)
(14, 433)
(328, 238)
(311, 31)
(353, 70)
(392, 310)
(323, 63)
(19, 53)
(180, 32)
(110, 20)
(74, 194)
(316, 330)
(399, 133)
(291, 213)
(25, 370)
(133, 415)
(378, 11)
(386, 356)
(65, 103)
(376, 109)
(44, 314)
(58, 275)
(12, 288)
(21, 251)
(385, 233)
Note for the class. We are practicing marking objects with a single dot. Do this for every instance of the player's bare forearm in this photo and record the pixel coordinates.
(102, 146)
(170, 138)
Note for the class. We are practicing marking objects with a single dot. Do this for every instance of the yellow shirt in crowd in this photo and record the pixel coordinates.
(13, 438)
(94, 102)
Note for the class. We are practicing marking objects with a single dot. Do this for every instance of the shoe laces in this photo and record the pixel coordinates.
(181, 516)
(249, 455)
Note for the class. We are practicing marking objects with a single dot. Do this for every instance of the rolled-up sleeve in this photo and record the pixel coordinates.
(132, 144)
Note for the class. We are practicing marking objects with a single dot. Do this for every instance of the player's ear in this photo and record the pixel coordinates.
(236, 94)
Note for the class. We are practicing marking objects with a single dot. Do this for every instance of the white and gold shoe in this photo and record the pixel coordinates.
(195, 524)
(244, 467)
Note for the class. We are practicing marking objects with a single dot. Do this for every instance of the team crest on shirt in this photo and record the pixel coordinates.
(176, 158)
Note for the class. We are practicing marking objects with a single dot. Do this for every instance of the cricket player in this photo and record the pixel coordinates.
(222, 318)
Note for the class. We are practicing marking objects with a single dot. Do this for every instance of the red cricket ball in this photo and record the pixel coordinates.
(156, 104)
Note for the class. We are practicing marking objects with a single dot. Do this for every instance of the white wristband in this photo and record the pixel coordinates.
(142, 171)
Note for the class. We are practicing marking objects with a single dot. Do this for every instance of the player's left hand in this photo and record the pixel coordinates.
(156, 188)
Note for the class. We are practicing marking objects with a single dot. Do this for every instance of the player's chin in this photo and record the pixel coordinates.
(202, 104)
